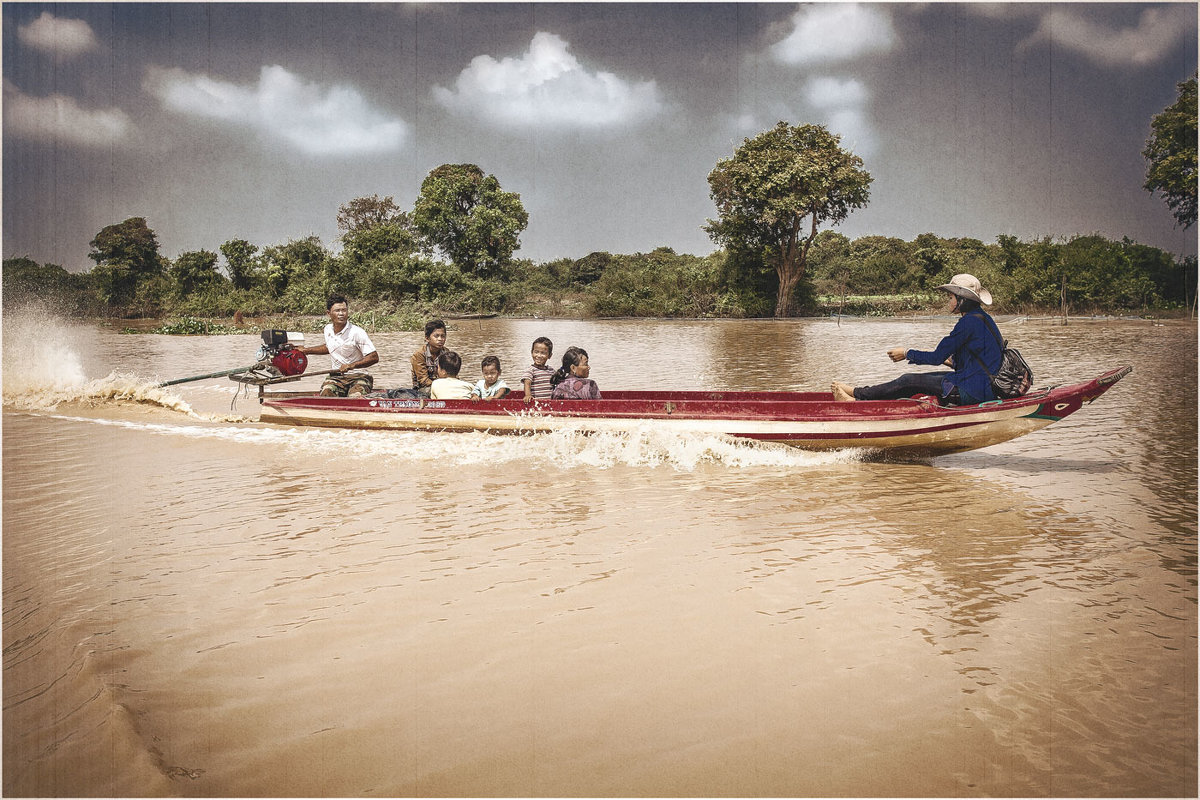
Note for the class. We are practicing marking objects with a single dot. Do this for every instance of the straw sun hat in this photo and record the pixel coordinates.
(968, 286)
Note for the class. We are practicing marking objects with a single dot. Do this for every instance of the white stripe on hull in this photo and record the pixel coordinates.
(943, 434)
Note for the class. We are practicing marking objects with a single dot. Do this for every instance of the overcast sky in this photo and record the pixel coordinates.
(257, 121)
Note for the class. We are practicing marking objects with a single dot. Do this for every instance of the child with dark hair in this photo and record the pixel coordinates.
(447, 386)
(491, 387)
(536, 379)
(571, 382)
(424, 361)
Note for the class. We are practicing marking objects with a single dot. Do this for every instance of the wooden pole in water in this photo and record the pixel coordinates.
(220, 374)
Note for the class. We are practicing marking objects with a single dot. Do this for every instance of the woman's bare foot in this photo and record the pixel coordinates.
(842, 392)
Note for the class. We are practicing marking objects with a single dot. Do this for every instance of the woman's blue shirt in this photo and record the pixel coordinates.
(972, 341)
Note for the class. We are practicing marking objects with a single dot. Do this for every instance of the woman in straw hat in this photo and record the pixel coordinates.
(972, 351)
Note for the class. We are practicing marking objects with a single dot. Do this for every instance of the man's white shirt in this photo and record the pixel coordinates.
(348, 346)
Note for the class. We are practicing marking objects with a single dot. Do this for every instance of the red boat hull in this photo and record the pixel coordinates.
(810, 420)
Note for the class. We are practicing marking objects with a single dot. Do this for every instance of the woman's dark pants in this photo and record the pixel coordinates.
(907, 385)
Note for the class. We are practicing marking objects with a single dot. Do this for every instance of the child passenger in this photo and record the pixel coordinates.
(536, 379)
(424, 361)
(492, 387)
(571, 382)
(447, 386)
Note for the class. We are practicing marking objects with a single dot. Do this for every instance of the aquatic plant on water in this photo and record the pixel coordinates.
(193, 326)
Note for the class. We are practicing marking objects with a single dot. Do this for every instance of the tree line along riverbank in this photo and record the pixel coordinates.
(394, 290)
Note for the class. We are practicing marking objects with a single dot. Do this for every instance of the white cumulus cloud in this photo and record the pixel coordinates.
(61, 118)
(1158, 31)
(843, 103)
(1004, 10)
(828, 33)
(826, 92)
(547, 86)
(63, 37)
(317, 120)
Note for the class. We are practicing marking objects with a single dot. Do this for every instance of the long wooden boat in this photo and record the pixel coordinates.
(916, 427)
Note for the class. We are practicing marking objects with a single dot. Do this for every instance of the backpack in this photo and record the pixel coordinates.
(1014, 377)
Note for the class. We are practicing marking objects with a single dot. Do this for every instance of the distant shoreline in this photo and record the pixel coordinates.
(252, 325)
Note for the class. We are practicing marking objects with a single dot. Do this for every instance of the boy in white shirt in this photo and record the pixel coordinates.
(447, 386)
(492, 386)
(349, 348)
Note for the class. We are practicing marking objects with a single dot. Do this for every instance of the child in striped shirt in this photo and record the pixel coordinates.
(537, 378)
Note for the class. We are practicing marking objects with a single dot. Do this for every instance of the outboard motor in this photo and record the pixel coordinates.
(279, 354)
(278, 358)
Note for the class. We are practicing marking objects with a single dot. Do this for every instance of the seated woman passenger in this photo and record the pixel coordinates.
(972, 351)
(571, 382)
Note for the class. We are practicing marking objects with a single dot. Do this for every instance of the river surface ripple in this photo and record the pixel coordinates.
(197, 604)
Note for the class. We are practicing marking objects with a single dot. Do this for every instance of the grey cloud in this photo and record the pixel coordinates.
(282, 107)
(60, 118)
(1158, 31)
(63, 37)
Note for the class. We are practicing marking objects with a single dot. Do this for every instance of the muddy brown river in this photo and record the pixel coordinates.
(198, 604)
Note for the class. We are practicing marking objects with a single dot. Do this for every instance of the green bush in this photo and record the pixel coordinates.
(658, 284)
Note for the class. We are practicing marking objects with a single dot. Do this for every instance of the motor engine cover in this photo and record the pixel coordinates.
(290, 361)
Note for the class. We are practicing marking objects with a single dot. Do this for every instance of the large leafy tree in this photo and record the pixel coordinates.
(931, 256)
(776, 191)
(240, 262)
(195, 271)
(24, 279)
(126, 254)
(588, 269)
(300, 260)
(884, 264)
(363, 213)
(1171, 151)
(467, 216)
(373, 227)
(379, 247)
(830, 266)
